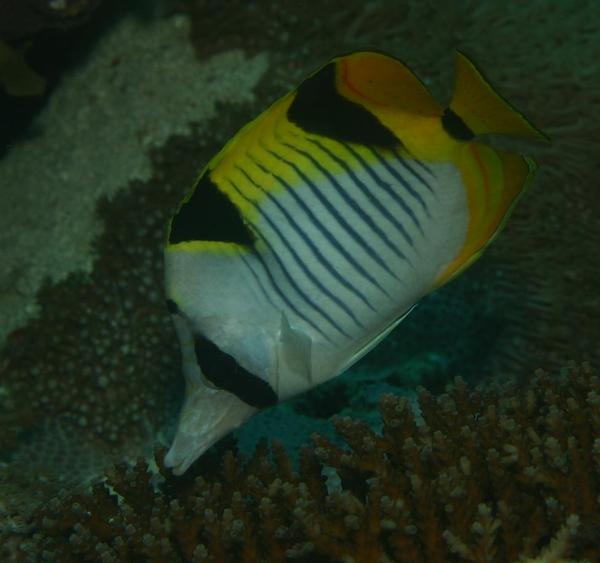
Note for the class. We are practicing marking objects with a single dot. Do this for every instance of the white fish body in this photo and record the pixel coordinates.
(302, 245)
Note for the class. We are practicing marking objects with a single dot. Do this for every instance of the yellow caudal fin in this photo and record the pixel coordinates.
(494, 181)
(482, 109)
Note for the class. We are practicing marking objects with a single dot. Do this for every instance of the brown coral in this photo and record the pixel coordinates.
(489, 476)
(547, 67)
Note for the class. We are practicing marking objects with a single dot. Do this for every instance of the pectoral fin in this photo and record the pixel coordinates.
(294, 352)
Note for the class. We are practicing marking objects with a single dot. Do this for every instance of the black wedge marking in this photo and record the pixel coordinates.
(209, 215)
(223, 371)
(455, 126)
(319, 108)
(368, 249)
(172, 306)
(298, 260)
(313, 247)
(324, 231)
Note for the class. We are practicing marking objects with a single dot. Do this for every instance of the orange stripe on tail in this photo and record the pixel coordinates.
(494, 180)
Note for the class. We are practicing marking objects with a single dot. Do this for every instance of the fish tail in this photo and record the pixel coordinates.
(481, 109)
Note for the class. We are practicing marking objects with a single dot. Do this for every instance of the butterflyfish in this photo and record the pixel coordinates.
(320, 225)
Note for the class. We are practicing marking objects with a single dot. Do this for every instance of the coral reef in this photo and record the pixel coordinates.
(105, 373)
(491, 475)
(130, 93)
(93, 377)
(93, 383)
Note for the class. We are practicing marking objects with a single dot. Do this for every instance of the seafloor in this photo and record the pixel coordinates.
(138, 97)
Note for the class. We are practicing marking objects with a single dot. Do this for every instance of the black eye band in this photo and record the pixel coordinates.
(223, 371)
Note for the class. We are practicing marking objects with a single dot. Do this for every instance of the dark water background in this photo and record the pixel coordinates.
(91, 170)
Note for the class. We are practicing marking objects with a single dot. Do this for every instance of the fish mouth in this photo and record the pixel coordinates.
(207, 416)
(178, 466)
(177, 463)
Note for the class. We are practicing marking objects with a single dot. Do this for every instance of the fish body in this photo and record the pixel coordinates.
(321, 224)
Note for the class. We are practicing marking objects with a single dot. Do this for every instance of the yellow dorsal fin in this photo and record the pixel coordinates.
(483, 109)
(381, 82)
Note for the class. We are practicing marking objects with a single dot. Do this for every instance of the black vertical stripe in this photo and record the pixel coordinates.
(324, 231)
(365, 189)
(334, 213)
(226, 373)
(286, 300)
(403, 182)
(313, 247)
(366, 218)
(404, 163)
(300, 263)
(385, 186)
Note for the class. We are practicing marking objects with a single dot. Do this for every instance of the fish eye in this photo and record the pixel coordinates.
(172, 307)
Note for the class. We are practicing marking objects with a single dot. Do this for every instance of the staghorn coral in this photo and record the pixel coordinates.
(491, 475)
(533, 301)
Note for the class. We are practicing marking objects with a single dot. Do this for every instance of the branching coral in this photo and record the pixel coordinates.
(503, 475)
(485, 469)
